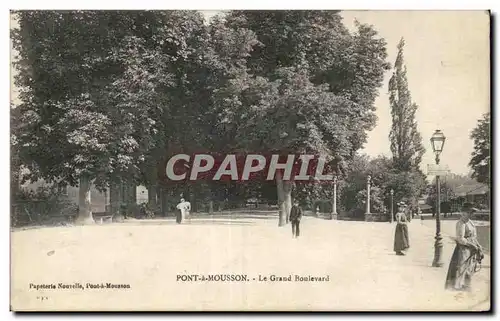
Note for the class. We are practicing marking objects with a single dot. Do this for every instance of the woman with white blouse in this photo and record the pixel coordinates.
(467, 255)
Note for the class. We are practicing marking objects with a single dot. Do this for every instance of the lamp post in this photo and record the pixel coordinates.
(334, 205)
(368, 184)
(437, 141)
(392, 205)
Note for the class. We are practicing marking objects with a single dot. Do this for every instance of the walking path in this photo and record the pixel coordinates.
(363, 271)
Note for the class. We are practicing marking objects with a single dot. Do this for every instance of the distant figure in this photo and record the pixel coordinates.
(183, 210)
(407, 211)
(401, 237)
(123, 210)
(468, 253)
(295, 217)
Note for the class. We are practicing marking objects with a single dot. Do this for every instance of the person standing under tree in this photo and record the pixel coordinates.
(295, 217)
(183, 210)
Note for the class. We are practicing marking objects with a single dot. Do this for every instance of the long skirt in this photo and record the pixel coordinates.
(401, 238)
(462, 265)
(179, 217)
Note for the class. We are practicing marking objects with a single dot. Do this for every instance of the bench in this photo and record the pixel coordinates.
(102, 217)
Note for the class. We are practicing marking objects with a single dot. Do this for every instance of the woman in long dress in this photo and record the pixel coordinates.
(467, 255)
(401, 236)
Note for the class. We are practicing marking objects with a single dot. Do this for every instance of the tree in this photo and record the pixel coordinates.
(481, 161)
(407, 185)
(159, 70)
(446, 194)
(406, 142)
(309, 88)
(70, 71)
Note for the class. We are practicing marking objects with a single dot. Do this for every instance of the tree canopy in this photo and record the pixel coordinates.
(406, 141)
(481, 156)
(108, 96)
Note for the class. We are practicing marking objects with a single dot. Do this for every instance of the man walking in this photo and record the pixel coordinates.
(295, 216)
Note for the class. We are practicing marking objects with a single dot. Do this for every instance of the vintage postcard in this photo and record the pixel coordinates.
(319, 160)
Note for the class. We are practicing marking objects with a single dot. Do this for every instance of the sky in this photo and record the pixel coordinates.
(447, 59)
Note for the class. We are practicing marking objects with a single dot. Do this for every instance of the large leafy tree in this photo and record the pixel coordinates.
(406, 141)
(309, 87)
(481, 156)
(215, 59)
(75, 125)
(117, 93)
(108, 95)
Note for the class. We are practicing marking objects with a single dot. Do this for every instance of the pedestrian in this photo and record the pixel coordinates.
(468, 253)
(183, 210)
(401, 237)
(295, 217)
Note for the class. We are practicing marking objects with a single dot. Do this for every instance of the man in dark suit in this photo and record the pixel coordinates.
(295, 216)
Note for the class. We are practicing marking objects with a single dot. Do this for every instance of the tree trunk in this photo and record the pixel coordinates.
(115, 201)
(164, 201)
(132, 200)
(133, 193)
(84, 203)
(152, 193)
(281, 199)
(287, 189)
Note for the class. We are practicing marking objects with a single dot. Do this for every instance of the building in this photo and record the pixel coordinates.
(478, 194)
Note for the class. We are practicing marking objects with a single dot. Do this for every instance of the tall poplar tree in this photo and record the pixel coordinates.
(406, 141)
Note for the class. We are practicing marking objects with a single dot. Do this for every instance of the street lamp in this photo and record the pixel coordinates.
(437, 141)
(368, 185)
(334, 205)
(392, 205)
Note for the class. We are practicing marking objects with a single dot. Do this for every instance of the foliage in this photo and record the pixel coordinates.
(446, 193)
(406, 141)
(107, 95)
(377, 199)
(407, 185)
(481, 157)
(72, 69)
(36, 206)
(314, 83)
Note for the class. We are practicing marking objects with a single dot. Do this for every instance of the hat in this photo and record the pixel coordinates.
(402, 204)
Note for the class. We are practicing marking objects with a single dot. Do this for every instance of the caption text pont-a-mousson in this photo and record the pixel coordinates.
(247, 278)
